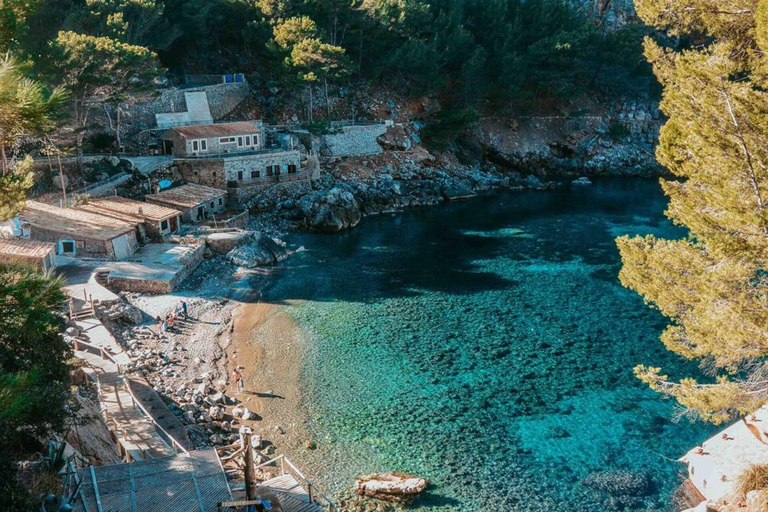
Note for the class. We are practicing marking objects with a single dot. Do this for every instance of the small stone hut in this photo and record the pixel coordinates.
(156, 221)
(196, 202)
(40, 254)
(79, 233)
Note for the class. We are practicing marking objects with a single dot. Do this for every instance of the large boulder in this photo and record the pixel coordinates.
(256, 250)
(331, 210)
(394, 486)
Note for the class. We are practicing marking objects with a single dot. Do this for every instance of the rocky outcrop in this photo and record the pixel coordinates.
(394, 486)
(256, 250)
(331, 210)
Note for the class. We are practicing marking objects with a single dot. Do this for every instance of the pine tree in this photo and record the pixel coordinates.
(713, 284)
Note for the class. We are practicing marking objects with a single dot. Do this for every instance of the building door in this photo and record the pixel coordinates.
(121, 247)
(200, 212)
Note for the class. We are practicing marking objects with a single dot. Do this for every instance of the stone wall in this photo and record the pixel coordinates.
(204, 171)
(239, 220)
(222, 99)
(353, 140)
(258, 163)
(189, 263)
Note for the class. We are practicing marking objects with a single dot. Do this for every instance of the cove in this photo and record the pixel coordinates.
(488, 346)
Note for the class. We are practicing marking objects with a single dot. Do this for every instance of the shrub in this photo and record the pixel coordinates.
(755, 478)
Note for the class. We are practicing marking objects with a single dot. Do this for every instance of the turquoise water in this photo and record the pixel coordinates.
(489, 346)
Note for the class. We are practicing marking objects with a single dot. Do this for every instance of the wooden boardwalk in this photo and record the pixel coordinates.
(291, 495)
(135, 431)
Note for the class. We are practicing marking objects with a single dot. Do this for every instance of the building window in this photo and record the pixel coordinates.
(227, 140)
(239, 175)
(203, 145)
(221, 201)
(255, 140)
(195, 146)
(67, 247)
(240, 141)
(164, 225)
(199, 145)
(273, 170)
(213, 204)
(291, 169)
(255, 174)
(247, 140)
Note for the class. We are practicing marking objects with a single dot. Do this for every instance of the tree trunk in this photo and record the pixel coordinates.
(327, 100)
(4, 157)
(117, 131)
(311, 106)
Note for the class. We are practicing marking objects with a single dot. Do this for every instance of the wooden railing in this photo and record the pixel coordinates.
(312, 490)
(175, 445)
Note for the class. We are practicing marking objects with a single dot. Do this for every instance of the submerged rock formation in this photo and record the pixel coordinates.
(394, 486)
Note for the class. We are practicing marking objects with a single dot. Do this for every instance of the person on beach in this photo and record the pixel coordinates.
(184, 309)
(239, 379)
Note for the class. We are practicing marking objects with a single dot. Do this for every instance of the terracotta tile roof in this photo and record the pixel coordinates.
(23, 248)
(78, 224)
(130, 210)
(201, 131)
(187, 196)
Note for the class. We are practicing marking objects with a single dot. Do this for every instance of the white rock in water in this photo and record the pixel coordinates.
(581, 181)
(393, 486)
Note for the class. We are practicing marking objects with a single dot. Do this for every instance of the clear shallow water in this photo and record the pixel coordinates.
(488, 346)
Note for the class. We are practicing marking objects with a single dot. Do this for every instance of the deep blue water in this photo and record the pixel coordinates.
(489, 346)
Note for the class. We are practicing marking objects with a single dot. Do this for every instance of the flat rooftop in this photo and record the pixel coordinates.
(23, 248)
(130, 209)
(160, 266)
(187, 196)
(201, 131)
(73, 222)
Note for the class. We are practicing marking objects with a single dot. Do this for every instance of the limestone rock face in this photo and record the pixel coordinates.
(331, 210)
(394, 486)
(256, 250)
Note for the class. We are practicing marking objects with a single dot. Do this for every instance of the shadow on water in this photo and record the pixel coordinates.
(443, 248)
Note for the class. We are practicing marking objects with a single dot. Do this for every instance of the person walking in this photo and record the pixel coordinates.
(184, 309)
(238, 375)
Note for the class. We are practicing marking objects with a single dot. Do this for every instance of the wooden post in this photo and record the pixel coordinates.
(249, 467)
(309, 492)
(282, 466)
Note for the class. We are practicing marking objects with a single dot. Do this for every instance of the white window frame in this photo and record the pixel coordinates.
(240, 140)
(167, 225)
(227, 140)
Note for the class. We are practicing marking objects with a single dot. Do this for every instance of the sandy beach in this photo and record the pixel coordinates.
(269, 346)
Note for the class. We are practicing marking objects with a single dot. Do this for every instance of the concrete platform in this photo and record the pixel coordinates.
(156, 268)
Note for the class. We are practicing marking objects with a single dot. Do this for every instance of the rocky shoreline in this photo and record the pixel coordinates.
(338, 201)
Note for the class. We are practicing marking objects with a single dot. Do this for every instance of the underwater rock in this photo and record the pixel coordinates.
(621, 483)
(394, 486)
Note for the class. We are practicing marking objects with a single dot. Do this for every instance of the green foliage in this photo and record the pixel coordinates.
(449, 124)
(618, 131)
(25, 107)
(14, 186)
(33, 370)
(712, 285)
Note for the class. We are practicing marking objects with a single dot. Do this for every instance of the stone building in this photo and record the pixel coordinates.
(232, 156)
(195, 202)
(79, 233)
(201, 140)
(156, 221)
(39, 254)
